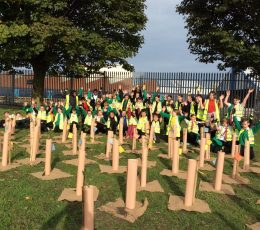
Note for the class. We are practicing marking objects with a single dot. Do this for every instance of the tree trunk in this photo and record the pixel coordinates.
(40, 69)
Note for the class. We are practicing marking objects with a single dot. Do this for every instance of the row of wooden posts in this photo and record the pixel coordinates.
(132, 168)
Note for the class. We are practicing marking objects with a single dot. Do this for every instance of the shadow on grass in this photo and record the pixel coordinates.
(55, 161)
(71, 216)
(166, 162)
(227, 222)
(19, 155)
(122, 185)
(173, 186)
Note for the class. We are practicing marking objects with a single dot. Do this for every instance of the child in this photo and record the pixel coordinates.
(157, 128)
(73, 119)
(193, 130)
(174, 122)
(42, 115)
(246, 133)
(58, 121)
(132, 123)
(141, 125)
(112, 122)
(236, 109)
(223, 138)
(100, 122)
(125, 122)
(87, 122)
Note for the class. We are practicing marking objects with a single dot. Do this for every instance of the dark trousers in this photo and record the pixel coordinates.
(57, 129)
(43, 126)
(192, 138)
(252, 153)
(71, 126)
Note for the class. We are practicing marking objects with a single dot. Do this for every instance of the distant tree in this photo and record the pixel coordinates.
(66, 36)
(225, 31)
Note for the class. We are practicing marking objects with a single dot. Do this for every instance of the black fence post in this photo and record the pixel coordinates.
(13, 88)
(104, 82)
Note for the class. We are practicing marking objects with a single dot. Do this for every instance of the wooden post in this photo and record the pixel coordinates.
(246, 155)
(190, 183)
(170, 143)
(115, 157)
(234, 140)
(92, 132)
(36, 140)
(74, 140)
(48, 157)
(175, 157)
(202, 132)
(80, 173)
(83, 141)
(184, 136)
(144, 167)
(110, 135)
(235, 163)
(88, 208)
(5, 149)
(64, 131)
(121, 130)
(151, 137)
(208, 146)
(134, 140)
(219, 171)
(202, 151)
(131, 183)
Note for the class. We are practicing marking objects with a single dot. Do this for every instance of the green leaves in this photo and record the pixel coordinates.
(224, 31)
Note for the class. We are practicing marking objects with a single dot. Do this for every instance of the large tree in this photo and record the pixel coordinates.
(66, 36)
(224, 31)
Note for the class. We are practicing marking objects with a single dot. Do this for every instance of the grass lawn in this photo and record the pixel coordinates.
(29, 203)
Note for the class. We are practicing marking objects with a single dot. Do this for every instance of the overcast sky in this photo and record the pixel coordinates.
(165, 48)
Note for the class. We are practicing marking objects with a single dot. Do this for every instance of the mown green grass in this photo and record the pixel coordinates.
(29, 203)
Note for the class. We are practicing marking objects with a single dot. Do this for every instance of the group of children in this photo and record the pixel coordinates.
(140, 110)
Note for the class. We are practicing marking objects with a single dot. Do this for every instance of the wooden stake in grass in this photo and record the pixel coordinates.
(36, 141)
(202, 151)
(170, 143)
(131, 183)
(48, 157)
(246, 155)
(88, 208)
(219, 170)
(190, 183)
(208, 137)
(185, 134)
(233, 149)
(92, 131)
(151, 137)
(80, 173)
(110, 136)
(74, 140)
(235, 163)
(121, 130)
(175, 157)
(202, 132)
(64, 131)
(144, 167)
(115, 157)
(134, 140)
(5, 149)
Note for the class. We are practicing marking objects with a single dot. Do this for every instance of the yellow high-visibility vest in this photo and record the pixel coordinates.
(194, 129)
(74, 118)
(216, 109)
(141, 125)
(88, 120)
(156, 126)
(42, 115)
(250, 136)
(221, 134)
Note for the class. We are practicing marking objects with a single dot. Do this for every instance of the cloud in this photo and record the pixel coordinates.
(165, 48)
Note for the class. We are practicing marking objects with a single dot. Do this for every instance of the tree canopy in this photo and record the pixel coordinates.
(66, 36)
(226, 31)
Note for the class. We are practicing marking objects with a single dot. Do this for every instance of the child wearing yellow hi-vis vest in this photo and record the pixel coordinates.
(59, 120)
(132, 123)
(73, 119)
(157, 128)
(193, 130)
(42, 115)
(174, 121)
(223, 137)
(141, 124)
(87, 122)
(246, 133)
